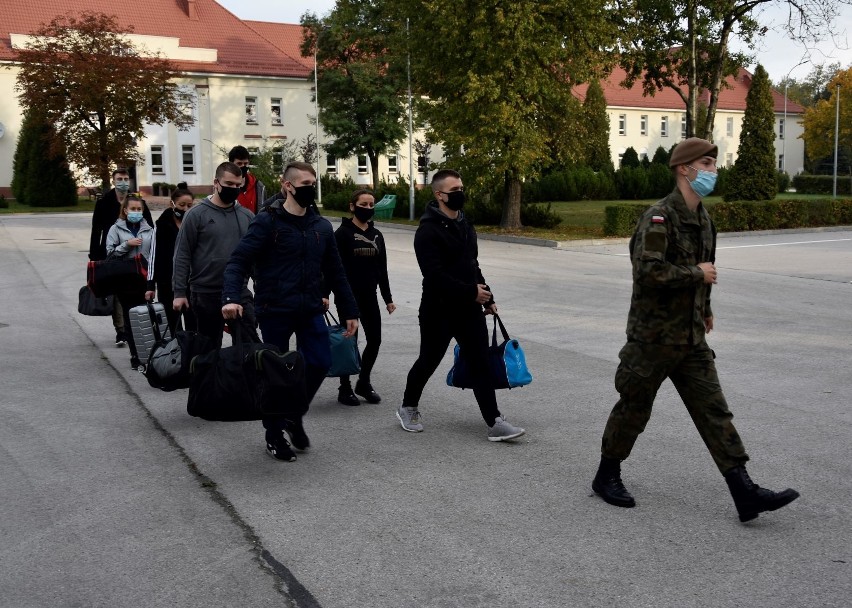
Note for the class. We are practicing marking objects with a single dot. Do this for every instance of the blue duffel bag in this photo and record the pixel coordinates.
(506, 362)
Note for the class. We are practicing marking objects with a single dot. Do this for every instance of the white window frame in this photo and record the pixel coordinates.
(331, 164)
(275, 111)
(158, 169)
(729, 126)
(184, 149)
(664, 126)
(683, 126)
(643, 124)
(363, 167)
(393, 163)
(251, 110)
(729, 159)
(781, 127)
(622, 124)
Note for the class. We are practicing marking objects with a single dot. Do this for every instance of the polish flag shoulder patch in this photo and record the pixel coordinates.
(658, 219)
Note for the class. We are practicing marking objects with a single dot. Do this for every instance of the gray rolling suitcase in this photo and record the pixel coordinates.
(142, 319)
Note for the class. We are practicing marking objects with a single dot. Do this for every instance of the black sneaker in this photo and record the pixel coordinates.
(365, 390)
(136, 364)
(120, 339)
(296, 432)
(346, 396)
(278, 447)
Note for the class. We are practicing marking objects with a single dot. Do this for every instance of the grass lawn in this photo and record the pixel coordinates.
(83, 205)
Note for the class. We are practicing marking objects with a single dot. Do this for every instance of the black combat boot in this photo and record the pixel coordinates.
(750, 499)
(608, 485)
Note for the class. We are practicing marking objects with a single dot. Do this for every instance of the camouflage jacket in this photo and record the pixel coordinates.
(670, 299)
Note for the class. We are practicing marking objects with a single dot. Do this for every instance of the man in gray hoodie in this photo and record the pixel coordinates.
(207, 236)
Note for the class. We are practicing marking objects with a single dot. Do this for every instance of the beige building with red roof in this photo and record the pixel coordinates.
(252, 87)
(645, 122)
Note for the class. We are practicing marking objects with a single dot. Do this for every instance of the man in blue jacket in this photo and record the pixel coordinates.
(290, 250)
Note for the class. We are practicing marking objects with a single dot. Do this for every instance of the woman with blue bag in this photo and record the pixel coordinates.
(364, 256)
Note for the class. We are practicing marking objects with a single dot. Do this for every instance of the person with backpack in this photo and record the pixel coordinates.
(131, 235)
(364, 256)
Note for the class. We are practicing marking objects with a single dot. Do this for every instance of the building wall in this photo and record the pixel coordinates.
(726, 135)
(10, 117)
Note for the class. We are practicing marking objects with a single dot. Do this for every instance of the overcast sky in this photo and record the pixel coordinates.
(777, 54)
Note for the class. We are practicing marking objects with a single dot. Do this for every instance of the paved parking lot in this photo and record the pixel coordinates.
(113, 496)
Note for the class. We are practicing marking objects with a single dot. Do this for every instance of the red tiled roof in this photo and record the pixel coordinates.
(733, 98)
(286, 36)
(240, 49)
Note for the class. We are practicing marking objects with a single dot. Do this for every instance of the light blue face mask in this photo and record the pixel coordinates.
(134, 217)
(704, 182)
(122, 186)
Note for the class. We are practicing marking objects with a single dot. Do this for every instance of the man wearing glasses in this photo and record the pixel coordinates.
(454, 298)
(107, 209)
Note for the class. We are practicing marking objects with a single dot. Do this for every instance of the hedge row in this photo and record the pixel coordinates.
(822, 184)
(739, 216)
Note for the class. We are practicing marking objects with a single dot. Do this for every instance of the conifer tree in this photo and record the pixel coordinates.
(42, 177)
(22, 157)
(753, 176)
(598, 155)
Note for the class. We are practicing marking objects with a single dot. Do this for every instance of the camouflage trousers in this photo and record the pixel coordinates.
(642, 370)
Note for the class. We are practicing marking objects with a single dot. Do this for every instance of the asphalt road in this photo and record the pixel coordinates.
(112, 496)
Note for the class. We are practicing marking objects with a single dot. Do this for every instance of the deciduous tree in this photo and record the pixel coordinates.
(98, 89)
(498, 78)
(684, 45)
(753, 177)
(360, 80)
(820, 119)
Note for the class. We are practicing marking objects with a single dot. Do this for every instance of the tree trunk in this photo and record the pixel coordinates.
(511, 203)
(716, 85)
(374, 168)
(692, 73)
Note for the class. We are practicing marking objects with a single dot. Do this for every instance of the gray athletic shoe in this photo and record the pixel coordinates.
(409, 418)
(503, 431)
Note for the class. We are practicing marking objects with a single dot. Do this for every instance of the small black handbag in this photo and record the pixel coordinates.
(92, 306)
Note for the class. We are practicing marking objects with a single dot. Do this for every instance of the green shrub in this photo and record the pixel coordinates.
(630, 158)
(660, 180)
(539, 216)
(821, 184)
(4, 204)
(632, 183)
(783, 181)
(793, 214)
(620, 220)
(729, 216)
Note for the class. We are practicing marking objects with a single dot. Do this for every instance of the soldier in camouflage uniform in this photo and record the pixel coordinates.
(673, 251)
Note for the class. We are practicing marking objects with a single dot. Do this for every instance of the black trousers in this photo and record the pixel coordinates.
(128, 300)
(210, 323)
(469, 329)
(166, 296)
(371, 324)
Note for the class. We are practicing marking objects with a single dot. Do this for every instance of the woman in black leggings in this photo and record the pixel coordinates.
(362, 249)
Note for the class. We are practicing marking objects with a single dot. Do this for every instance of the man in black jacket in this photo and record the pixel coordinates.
(454, 296)
(107, 209)
(289, 250)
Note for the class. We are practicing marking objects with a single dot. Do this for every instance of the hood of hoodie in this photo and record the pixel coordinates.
(348, 224)
(433, 213)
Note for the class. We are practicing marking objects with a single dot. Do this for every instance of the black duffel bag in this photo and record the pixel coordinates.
(247, 381)
(92, 306)
(168, 365)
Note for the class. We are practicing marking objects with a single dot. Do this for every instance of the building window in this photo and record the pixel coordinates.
(729, 126)
(251, 110)
(643, 124)
(421, 164)
(622, 124)
(683, 127)
(780, 162)
(275, 110)
(664, 126)
(278, 159)
(362, 163)
(780, 128)
(393, 163)
(188, 157)
(157, 160)
(331, 164)
(729, 158)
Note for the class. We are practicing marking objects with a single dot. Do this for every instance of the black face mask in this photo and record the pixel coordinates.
(305, 195)
(229, 195)
(178, 213)
(245, 170)
(455, 200)
(363, 214)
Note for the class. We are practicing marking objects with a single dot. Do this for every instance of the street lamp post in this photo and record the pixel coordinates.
(784, 138)
(410, 133)
(836, 138)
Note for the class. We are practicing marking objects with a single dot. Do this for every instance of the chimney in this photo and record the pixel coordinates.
(192, 9)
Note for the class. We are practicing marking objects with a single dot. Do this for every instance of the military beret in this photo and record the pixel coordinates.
(692, 149)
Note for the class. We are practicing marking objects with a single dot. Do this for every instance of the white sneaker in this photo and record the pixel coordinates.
(409, 418)
(503, 431)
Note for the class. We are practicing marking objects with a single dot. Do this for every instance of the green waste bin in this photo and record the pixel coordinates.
(384, 208)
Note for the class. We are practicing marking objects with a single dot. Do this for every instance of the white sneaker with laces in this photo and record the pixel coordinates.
(409, 418)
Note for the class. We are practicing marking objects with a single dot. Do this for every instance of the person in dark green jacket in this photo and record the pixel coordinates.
(673, 252)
